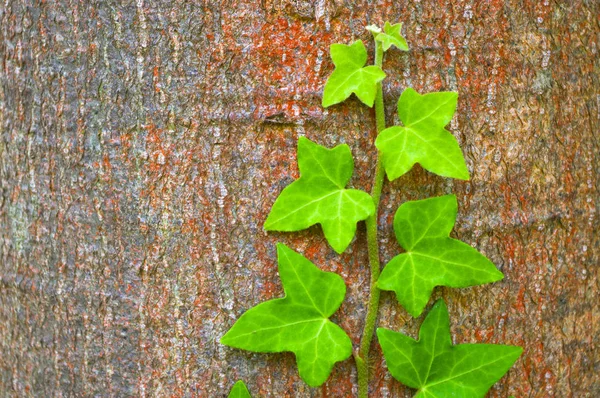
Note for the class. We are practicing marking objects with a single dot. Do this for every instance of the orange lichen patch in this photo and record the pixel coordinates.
(190, 226)
(156, 78)
(161, 161)
(289, 46)
(312, 251)
(288, 62)
(271, 290)
(485, 335)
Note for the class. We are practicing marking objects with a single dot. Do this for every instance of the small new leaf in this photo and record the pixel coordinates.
(391, 36)
(437, 368)
(319, 196)
(423, 138)
(351, 75)
(432, 258)
(299, 322)
(239, 390)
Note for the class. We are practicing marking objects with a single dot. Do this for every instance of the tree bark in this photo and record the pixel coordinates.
(143, 144)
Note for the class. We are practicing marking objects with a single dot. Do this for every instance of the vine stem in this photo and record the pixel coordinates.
(362, 358)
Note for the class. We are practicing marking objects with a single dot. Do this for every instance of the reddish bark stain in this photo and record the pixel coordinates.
(285, 50)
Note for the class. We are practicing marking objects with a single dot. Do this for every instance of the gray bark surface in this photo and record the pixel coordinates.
(143, 143)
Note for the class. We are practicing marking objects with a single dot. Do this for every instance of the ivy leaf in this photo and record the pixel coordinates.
(319, 196)
(351, 75)
(423, 138)
(432, 258)
(239, 390)
(298, 322)
(437, 368)
(391, 36)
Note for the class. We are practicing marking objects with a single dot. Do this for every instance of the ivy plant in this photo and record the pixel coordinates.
(432, 258)
(439, 369)
(299, 322)
(320, 196)
(423, 139)
(351, 75)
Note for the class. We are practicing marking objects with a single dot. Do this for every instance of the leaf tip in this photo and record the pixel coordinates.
(451, 198)
(339, 249)
(381, 333)
(409, 90)
(497, 275)
(414, 311)
(519, 349)
(304, 144)
(268, 225)
(239, 390)
(440, 305)
(515, 352)
(358, 43)
(464, 175)
(226, 339)
(326, 103)
(282, 249)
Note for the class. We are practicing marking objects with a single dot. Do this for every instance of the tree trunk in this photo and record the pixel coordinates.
(143, 144)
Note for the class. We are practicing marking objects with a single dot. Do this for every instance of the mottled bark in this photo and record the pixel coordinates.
(143, 143)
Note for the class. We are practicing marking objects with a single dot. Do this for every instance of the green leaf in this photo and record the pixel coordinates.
(351, 75)
(437, 368)
(319, 196)
(423, 138)
(432, 258)
(391, 36)
(298, 322)
(239, 390)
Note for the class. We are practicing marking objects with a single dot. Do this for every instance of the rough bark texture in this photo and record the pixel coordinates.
(143, 143)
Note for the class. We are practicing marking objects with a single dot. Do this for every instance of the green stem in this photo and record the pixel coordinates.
(362, 359)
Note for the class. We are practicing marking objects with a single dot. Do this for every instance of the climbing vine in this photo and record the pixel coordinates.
(299, 322)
